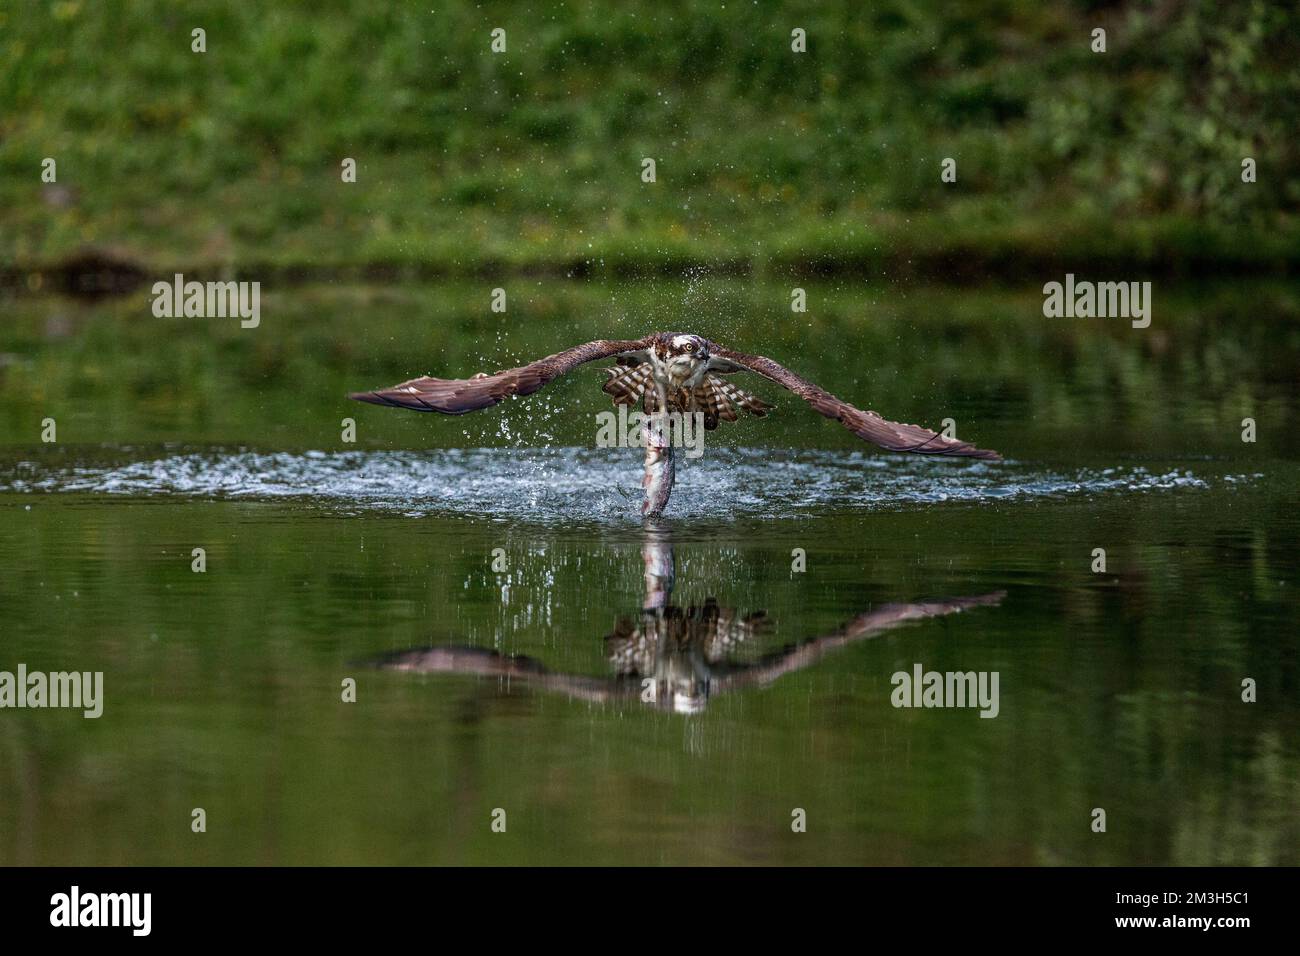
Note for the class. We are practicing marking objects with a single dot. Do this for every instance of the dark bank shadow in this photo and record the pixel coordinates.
(674, 658)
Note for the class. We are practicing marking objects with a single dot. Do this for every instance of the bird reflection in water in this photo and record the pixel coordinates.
(676, 658)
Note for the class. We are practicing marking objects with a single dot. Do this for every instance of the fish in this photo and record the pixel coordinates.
(660, 470)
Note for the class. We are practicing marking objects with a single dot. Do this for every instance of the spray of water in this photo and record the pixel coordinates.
(599, 485)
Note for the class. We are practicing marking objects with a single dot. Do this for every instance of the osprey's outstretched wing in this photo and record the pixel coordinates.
(895, 436)
(507, 670)
(456, 396)
(868, 624)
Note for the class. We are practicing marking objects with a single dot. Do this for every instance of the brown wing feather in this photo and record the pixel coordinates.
(868, 425)
(460, 395)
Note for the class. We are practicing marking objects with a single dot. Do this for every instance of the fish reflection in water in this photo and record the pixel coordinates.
(676, 658)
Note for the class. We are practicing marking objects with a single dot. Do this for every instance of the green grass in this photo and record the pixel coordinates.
(767, 160)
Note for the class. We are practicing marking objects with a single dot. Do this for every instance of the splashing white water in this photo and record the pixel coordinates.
(567, 484)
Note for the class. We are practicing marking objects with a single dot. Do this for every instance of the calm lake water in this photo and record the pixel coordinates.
(487, 584)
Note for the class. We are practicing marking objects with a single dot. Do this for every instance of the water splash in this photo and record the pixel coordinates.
(567, 484)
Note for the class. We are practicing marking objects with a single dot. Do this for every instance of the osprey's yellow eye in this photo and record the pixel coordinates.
(690, 346)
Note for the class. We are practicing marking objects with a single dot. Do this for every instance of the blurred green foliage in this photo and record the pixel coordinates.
(766, 158)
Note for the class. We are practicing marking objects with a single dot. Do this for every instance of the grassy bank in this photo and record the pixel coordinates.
(768, 161)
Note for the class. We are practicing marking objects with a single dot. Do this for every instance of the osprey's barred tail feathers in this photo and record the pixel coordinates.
(710, 400)
(750, 403)
(717, 398)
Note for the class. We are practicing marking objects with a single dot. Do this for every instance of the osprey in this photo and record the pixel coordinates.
(676, 658)
(687, 655)
(665, 373)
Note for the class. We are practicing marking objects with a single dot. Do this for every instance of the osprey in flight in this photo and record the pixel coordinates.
(666, 372)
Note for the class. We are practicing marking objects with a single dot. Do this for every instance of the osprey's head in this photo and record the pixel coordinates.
(688, 700)
(683, 353)
(681, 678)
